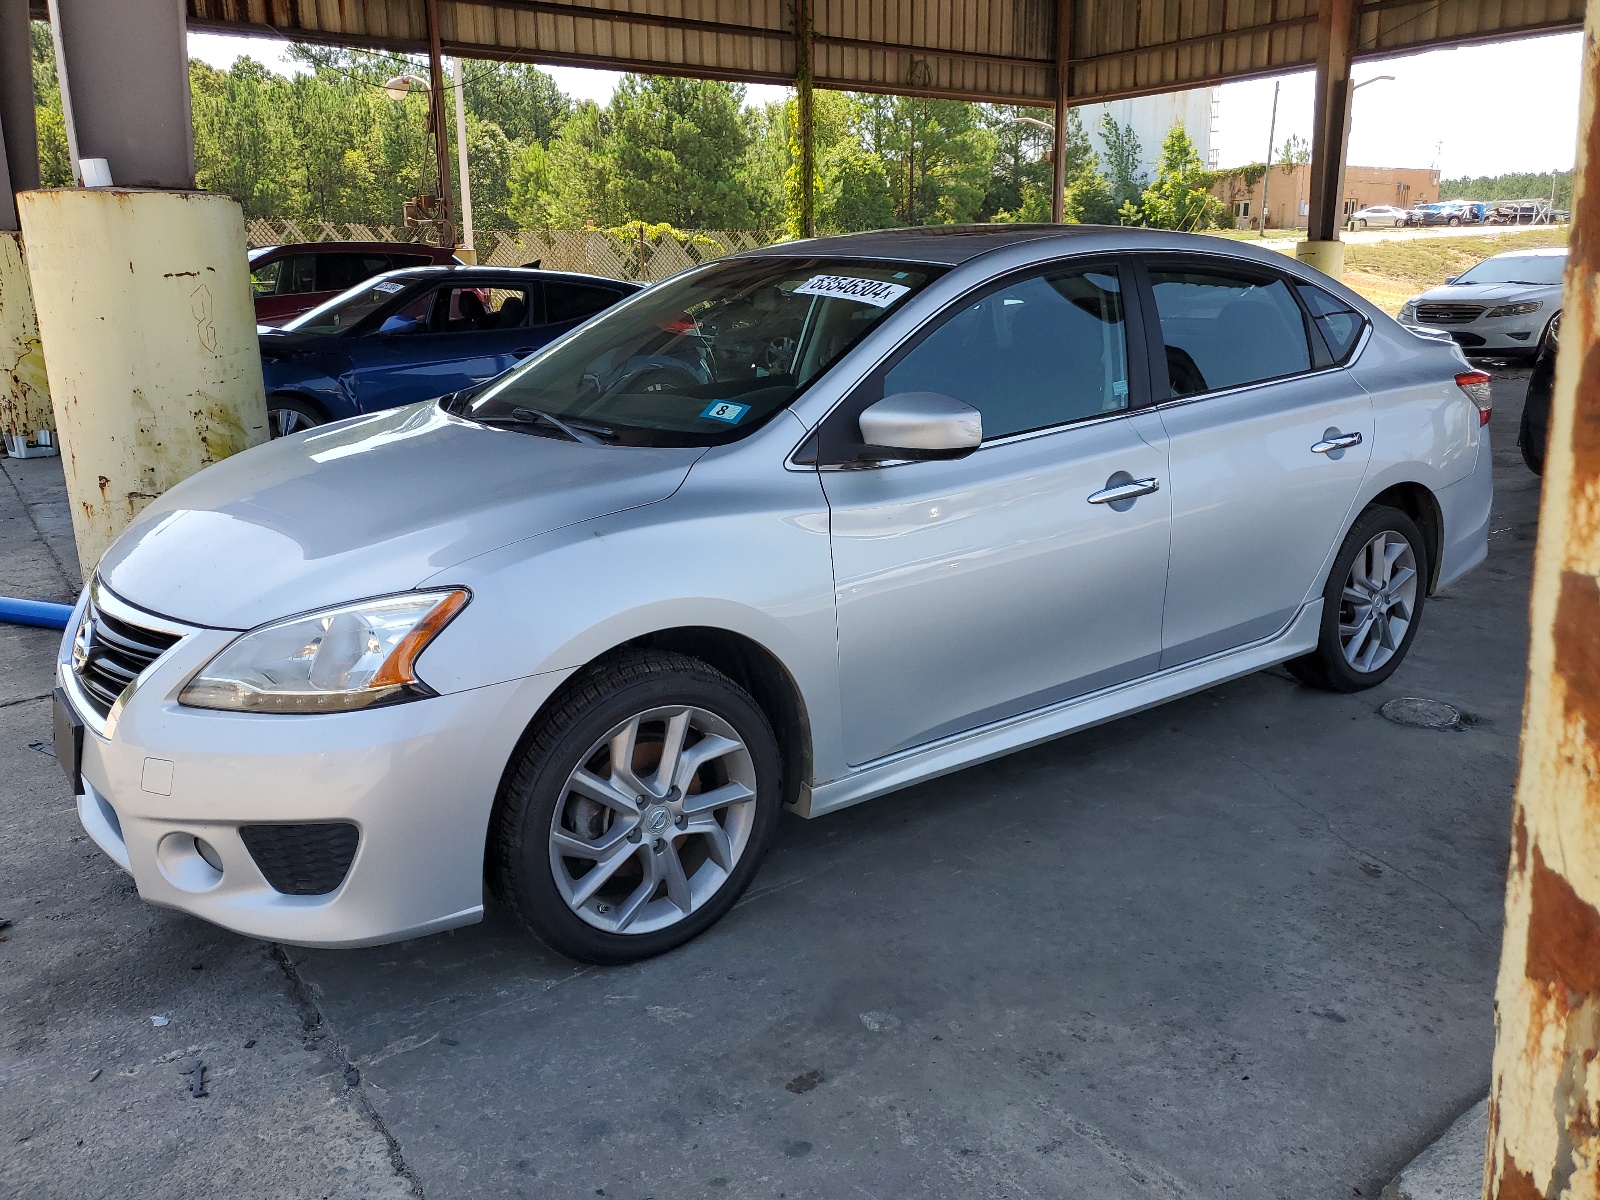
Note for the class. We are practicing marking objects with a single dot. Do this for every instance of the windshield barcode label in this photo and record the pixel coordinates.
(869, 291)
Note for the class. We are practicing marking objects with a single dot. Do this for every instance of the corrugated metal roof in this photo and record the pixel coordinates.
(994, 50)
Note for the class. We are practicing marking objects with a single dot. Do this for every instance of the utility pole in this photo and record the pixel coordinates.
(806, 118)
(1272, 133)
(1544, 1104)
(467, 243)
(441, 138)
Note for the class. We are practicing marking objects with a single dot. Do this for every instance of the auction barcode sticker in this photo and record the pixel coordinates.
(847, 287)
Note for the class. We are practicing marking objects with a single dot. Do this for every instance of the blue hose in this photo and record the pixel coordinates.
(35, 612)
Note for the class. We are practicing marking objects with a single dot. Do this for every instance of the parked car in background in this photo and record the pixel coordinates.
(1506, 306)
(1381, 216)
(1452, 213)
(289, 280)
(798, 527)
(1526, 212)
(1533, 431)
(417, 334)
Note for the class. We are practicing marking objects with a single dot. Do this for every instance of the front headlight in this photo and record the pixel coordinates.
(1408, 311)
(353, 656)
(1515, 310)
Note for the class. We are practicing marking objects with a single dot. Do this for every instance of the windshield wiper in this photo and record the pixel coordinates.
(584, 432)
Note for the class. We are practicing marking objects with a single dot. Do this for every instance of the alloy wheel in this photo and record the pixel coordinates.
(1378, 603)
(284, 421)
(653, 820)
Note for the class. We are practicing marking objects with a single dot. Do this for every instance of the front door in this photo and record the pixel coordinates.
(448, 339)
(1268, 439)
(974, 590)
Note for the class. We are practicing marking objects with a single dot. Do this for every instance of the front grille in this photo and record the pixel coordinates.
(303, 860)
(109, 653)
(1448, 314)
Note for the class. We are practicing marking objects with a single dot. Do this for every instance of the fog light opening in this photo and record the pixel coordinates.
(208, 852)
(189, 863)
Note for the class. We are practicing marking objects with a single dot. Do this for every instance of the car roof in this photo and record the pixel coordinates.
(471, 274)
(943, 245)
(420, 248)
(1533, 252)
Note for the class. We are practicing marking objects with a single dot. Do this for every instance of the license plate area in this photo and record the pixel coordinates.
(68, 741)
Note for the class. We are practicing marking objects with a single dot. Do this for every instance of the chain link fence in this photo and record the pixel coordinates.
(591, 251)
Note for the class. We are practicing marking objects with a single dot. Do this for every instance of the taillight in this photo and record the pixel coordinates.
(1476, 384)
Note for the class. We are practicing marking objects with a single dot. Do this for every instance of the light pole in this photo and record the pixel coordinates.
(1353, 90)
(397, 90)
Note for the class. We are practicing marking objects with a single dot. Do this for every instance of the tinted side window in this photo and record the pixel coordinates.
(478, 310)
(297, 275)
(1039, 352)
(264, 279)
(575, 301)
(1339, 324)
(337, 272)
(1223, 330)
(410, 260)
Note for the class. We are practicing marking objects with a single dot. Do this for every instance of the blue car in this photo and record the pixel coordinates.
(411, 335)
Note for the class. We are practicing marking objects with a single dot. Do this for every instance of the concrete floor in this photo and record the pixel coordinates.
(1243, 945)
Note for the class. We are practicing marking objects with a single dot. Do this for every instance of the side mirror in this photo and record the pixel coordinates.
(921, 425)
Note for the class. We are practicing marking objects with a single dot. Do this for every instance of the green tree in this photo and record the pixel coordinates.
(1180, 196)
(853, 192)
(1123, 153)
(935, 154)
(522, 101)
(528, 188)
(240, 133)
(55, 163)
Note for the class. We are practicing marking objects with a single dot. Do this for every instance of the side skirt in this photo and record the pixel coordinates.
(1018, 733)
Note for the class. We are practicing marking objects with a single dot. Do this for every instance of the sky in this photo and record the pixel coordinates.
(1473, 110)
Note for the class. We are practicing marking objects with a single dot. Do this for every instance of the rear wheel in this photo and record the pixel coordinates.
(639, 810)
(1371, 606)
(291, 414)
(1362, 223)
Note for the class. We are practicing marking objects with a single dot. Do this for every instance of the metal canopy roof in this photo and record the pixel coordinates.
(992, 50)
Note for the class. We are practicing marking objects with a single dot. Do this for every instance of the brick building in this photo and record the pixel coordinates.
(1289, 193)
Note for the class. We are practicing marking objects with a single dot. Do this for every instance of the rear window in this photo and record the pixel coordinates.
(1223, 330)
(1339, 324)
(575, 301)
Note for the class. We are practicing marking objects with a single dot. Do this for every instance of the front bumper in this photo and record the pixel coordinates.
(1485, 335)
(418, 780)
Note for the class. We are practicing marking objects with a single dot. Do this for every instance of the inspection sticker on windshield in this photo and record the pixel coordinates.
(388, 286)
(869, 291)
(725, 410)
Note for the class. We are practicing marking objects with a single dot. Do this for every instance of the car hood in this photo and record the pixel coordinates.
(1483, 293)
(363, 508)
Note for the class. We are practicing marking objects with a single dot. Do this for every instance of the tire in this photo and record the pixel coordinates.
(1362, 223)
(1453, 222)
(619, 712)
(1378, 647)
(290, 414)
(1551, 334)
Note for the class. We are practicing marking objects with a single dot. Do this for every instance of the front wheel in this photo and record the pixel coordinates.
(1371, 605)
(638, 811)
(1362, 223)
(291, 414)
(1453, 222)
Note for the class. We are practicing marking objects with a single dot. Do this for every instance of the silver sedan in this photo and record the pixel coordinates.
(793, 529)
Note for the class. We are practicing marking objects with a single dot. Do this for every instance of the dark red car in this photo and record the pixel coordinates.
(289, 280)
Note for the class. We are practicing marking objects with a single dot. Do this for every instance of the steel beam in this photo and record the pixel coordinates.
(1330, 135)
(19, 143)
(1058, 174)
(445, 223)
(124, 69)
(805, 118)
(1544, 1104)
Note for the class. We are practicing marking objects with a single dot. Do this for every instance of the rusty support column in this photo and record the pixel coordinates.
(445, 225)
(1330, 134)
(1058, 180)
(1544, 1105)
(805, 118)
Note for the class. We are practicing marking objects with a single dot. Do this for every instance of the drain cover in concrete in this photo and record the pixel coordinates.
(1421, 714)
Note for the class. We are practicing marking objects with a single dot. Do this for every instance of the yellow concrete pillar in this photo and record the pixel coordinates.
(1327, 257)
(24, 394)
(144, 308)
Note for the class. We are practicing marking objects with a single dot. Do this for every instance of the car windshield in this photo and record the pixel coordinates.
(349, 309)
(1528, 268)
(702, 359)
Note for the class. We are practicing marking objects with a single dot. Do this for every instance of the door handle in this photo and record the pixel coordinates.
(1342, 441)
(1131, 490)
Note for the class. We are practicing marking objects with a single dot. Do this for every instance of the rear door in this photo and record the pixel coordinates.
(1268, 439)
